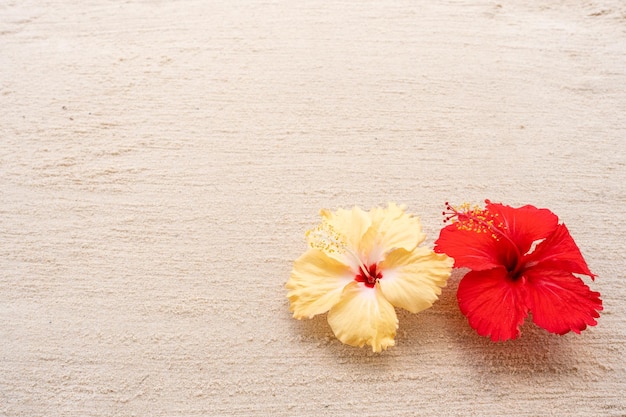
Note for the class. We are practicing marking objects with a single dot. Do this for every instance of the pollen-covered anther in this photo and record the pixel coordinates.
(325, 238)
(473, 218)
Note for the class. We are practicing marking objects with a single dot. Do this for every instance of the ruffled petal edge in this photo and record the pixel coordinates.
(413, 280)
(561, 302)
(316, 283)
(364, 317)
(494, 305)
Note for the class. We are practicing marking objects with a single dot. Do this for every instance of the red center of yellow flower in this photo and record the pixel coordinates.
(369, 276)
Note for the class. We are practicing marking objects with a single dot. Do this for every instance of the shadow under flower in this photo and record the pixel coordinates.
(534, 351)
(318, 340)
(442, 334)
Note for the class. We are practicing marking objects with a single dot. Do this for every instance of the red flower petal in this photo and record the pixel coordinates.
(559, 251)
(494, 305)
(525, 224)
(559, 301)
(477, 251)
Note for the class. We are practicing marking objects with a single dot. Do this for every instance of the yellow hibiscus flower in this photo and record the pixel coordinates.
(360, 266)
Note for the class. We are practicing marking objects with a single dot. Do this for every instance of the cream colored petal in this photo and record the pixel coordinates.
(363, 316)
(352, 224)
(391, 228)
(316, 283)
(413, 280)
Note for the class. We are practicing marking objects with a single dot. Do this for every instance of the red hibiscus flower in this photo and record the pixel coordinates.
(522, 260)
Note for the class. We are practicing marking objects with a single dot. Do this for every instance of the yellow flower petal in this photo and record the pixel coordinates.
(363, 316)
(392, 228)
(316, 283)
(351, 225)
(413, 280)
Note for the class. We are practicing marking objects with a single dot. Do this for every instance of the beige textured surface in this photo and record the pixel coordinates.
(161, 160)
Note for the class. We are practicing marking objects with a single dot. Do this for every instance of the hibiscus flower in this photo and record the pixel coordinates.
(522, 261)
(359, 266)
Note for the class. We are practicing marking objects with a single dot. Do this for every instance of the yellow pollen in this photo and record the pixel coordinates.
(475, 219)
(325, 238)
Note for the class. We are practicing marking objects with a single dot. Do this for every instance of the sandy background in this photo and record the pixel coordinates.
(161, 160)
